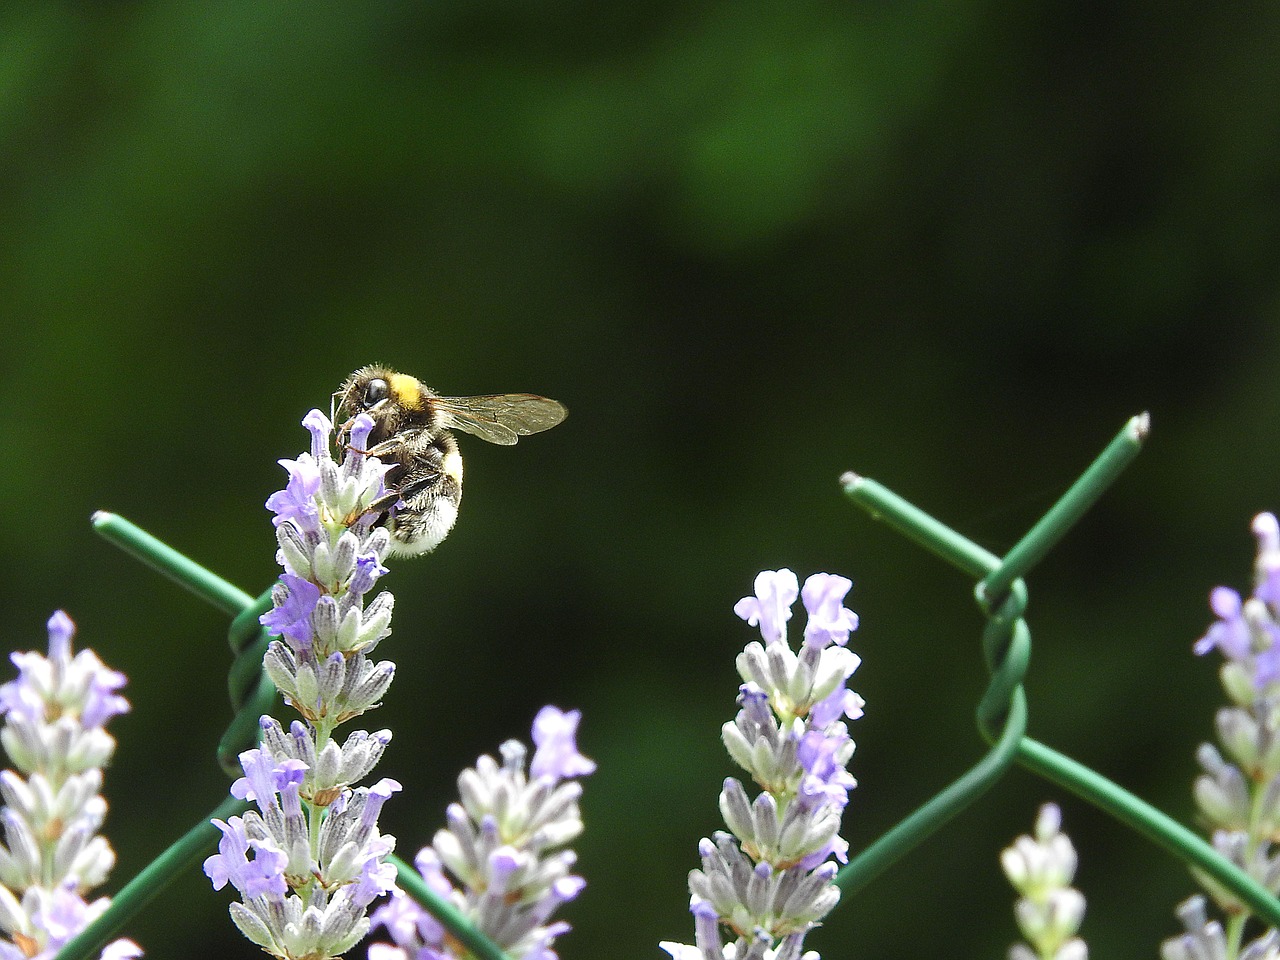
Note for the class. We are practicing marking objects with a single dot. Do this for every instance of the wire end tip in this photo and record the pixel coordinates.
(849, 479)
(100, 518)
(1140, 426)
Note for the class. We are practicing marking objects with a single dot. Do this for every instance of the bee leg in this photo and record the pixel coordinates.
(392, 497)
(383, 448)
(377, 450)
(381, 505)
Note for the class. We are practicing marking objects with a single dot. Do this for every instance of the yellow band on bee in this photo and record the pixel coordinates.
(407, 390)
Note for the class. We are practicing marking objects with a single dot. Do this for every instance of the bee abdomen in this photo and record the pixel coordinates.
(432, 491)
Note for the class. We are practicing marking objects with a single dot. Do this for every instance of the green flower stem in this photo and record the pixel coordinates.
(180, 857)
(440, 908)
(248, 640)
(164, 559)
(999, 578)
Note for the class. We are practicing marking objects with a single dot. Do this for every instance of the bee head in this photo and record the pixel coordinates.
(394, 400)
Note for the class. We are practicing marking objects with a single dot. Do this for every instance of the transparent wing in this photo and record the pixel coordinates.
(501, 417)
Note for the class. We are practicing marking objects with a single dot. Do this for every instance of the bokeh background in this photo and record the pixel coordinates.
(751, 245)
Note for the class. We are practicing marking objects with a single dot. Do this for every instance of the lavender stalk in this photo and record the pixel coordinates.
(502, 860)
(310, 860)
(1238, 793)
(768, 883)
(53, 856)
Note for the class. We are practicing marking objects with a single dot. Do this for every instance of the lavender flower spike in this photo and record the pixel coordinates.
(769, 881)
(310, 860)
(1238, 792)
(1050, 910)
(502, 861)
(1247, 632)
(54, 714)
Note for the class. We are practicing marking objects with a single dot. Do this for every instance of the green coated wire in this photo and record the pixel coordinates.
(444, 911)
(247, 639)
(1000, 578)
(914, 524)
(245, 627)
(1151, 823)
(169, 562)
(242, 733)
(931, 816)
(1071, 506)
(181, 856)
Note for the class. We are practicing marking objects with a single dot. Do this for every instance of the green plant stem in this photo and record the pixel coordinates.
(445, 912)
(182, 855)
(1235, 924)
(160, 557)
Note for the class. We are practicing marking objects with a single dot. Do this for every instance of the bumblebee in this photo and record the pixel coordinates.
(411, 431)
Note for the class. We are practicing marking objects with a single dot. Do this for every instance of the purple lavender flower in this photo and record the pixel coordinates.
(1247, 632)
(285, 878)
(1238, 791)
(768, 882)
(557, 756)
(296, 503)
(310, 860)
(770, 607)
(823, 756)
(830, 621)
(332, 557)
(505, 849)
(256, 876)
(1267, 567)
(295, 601)
(1205, 938)
(1230, 633)
(54, 714)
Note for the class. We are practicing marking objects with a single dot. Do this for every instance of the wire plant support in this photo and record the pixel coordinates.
(1002, 712)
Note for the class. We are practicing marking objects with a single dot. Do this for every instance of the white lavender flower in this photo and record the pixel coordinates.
(769, 882)
(504, 848)
(1049, 910)
(309, 860)
(52, 854)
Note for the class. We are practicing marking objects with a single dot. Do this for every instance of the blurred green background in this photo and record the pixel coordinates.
(750, 245)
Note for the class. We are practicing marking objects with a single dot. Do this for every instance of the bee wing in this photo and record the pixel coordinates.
(501, 417)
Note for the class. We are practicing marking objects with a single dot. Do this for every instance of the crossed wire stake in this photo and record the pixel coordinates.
(1002, 713)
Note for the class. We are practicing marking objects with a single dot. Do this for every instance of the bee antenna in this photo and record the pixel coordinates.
(333, 409)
